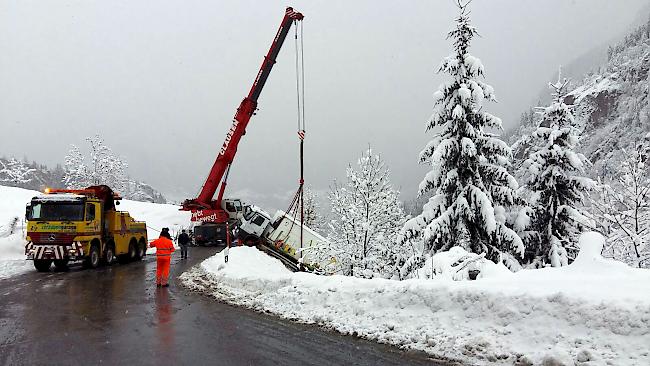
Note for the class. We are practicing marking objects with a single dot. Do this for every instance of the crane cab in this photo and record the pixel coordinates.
(234, 208)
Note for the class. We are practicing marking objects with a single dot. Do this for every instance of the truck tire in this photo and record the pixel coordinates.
(142, 250)
(42, 265)
(132, 255)
(109, 254)
(93, 259)
(61, 264)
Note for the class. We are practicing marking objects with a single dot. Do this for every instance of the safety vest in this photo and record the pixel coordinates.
(164, 247)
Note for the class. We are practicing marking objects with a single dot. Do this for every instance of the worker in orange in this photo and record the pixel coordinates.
(164, 249)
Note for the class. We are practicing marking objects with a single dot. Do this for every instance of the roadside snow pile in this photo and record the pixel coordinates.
(593, 312)
(12, 218)
(12, 234)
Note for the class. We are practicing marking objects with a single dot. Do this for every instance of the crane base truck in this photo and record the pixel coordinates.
(83, 225)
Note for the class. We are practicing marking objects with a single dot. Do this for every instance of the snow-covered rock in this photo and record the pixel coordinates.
(591, 312)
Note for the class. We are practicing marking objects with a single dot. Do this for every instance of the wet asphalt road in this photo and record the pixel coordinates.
(116, 316)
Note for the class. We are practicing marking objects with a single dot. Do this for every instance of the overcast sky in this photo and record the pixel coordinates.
(161, 80)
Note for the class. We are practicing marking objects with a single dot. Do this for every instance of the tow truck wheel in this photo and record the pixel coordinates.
(142, 250)
(42, 265)
(93, 257)
(109, 255)
(61, 264)
(133, 250)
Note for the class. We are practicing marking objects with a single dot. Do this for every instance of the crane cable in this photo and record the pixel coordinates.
(297, 203)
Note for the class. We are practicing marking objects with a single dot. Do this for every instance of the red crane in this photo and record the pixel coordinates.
(204, 208)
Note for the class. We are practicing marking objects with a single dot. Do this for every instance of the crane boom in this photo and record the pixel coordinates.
(204, 208)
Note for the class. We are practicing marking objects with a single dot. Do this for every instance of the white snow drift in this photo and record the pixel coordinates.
(12, 214)
(593, 312)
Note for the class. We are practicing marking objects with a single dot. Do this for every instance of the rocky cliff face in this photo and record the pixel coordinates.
(611, 105)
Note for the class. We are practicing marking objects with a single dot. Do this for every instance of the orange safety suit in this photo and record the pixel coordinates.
(164, 249)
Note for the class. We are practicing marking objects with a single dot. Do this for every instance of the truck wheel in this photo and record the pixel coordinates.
(142, 250)
(61, 264)
(109, 255)
(250, 241)
(133, 251)
(93, 257)
(42, 265)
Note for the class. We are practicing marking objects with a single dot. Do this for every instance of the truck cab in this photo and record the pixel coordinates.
(234, 208)
(255, 224)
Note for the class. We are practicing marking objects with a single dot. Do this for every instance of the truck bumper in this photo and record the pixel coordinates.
(56, 252)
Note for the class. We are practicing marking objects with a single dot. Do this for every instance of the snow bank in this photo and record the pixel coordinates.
(593, 312)
(157, 216)
(457, 263)
(12, 205)
(12, 245)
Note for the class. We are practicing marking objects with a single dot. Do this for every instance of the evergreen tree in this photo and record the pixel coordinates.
(366, 215)
(468, 176)
(555, 185)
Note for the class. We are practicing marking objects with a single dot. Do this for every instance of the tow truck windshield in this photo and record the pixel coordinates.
(59, 211)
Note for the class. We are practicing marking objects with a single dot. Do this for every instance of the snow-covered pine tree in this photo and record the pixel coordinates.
(622, 209)
(366, 216)
(556, 184)
(15, 172)
(468, 176)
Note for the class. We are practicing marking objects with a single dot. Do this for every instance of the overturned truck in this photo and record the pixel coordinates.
(280, 236)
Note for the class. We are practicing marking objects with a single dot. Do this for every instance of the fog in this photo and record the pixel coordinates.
(161, 81)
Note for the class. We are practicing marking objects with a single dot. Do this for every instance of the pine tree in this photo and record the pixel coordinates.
(556, 186)
(366, 216)
(468, 176)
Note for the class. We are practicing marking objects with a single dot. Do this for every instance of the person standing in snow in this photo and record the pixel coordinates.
(183, 241)
(164, 249)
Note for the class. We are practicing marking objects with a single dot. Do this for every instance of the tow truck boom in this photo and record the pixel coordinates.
(204, 206)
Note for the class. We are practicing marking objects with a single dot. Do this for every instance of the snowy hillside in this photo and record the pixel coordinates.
(611, 105)
(17, 173)
(554, 316)
(12, 231)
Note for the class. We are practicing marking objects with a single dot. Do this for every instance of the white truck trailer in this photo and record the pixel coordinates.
(280, 233)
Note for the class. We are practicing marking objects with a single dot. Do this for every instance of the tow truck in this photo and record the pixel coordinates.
(81, 225)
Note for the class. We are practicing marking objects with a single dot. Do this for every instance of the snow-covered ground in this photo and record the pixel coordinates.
(593, 312)
(12, 206)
